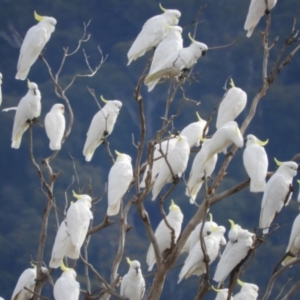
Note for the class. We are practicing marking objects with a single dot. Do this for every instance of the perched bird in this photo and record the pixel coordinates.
(177, 159)
(195, 131)
(133, 283)
(194, 263)
(166, 146)
(163, 234)
(28, 110)
(34, 42)
(66, 286)
(298, 198)
(222, 294)
(256, 10)
(78, 219)
(101, 126)
(0, 88)
(119, 179)
(234, 231)
(232, 105)
(153, 32)
(203, 165)
(256, 163)
(176, 63)
(234, 253)
(55, 125)
(248, 291)
(276, 193)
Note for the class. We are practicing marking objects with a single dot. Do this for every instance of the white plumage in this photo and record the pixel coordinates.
(153, 32)
(231, 106)
(222, 294)
(256, 10)
(256, 163)
(234, 231)
(177, 159)
(119, 179)
(101, 126)
(203, 165)
(248, 291)
(0, 88)
(33, 43)
(55, 125)
(29, 108)
(276, 192)
(163, 233)
(133, 283)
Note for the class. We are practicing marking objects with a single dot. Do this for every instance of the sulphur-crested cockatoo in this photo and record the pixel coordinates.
(203, 165)
(55, 125)
(194, 263)
(29, 109)
(119, 178)
(298, 198)
(66, 286)
(133, 283)
(249, 291)
(176, 63)
(222, 294)
(165, 147)
(0, 88)
(78, 219)
(276, 192)
(153, 32)
(256, 10)
(163, 234)
(177, 160)
(101, 126)
(232, 105)
(35, 40)
(234, 253)
(63, 247)
(194, 131)
(234, 231)
(256, 163)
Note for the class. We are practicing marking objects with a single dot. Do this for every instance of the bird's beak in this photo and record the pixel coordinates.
(203, 53)
(245, 140)
(298, 168)
(137, 270)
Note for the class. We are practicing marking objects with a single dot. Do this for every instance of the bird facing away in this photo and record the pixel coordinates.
(232, 105)
(276, 193)
(101, 126)
(248, 291)
(177, 159)
(153, 32)
(222, 294)
(119, 179)
(256, 163)
(66, 286)
(256, 10)
(133, 283)
(28, 110)
(1, 88)
(176, 63)
(163, 234)
(55, 125)
(34, 42)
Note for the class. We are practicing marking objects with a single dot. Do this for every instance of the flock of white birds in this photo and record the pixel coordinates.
(170, 160)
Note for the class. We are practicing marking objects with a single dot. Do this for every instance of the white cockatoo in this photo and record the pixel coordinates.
(256, 10)
(298, 198)
(119, 179)
(203, 165)
(256, 163)
(55, 125)
(194, 131)
(235, 251)
(293, 248)
(163, 234)
(194, 263)
(34, 42)
(234, 231)
(133, 283)
(249, 291)
(232, 105)
(1, 88)
(66, 286)
(153, 32)
(78, 219)
(222, 294)
(166, 146)
(177, 160)
(276, 192)
(29, 109)
(176, 63)
(101, 126)
(226, 135)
